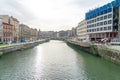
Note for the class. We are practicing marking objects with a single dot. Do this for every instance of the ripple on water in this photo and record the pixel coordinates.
(56, 60)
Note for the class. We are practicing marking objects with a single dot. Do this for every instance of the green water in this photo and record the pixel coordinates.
(55, 60)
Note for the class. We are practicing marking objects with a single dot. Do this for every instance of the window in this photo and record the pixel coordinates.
(105, 17)
(103, 35)
(95, 20)
(110, 21)
(92, 30)
(110, 9)
(87, 30)
(95, 25)
(105, 11)
(88, 26)
(105, 28)
(109, 27)
(101, 29)
(98, 19)
(98, 24)
(109, 15)
(105, 22)
(101, 18)
(97, 29)
(101, 23)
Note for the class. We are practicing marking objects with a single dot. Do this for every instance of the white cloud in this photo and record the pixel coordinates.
(49, 14)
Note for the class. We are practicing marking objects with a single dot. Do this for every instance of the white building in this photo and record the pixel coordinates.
(81, 31)
(102, 22)
(119, 24)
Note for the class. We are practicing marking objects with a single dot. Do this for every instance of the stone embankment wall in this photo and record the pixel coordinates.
(85, 46)
(109, 54)
(19, 46)
(102, 51)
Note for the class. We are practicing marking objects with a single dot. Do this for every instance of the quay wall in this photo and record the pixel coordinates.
(19, 46)
(92, 49)
(100, 50)
(109, 54)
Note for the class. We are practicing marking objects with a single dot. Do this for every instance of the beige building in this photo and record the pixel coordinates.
(27, 34)
(81, 31)
(14, 22)
(24, 32)
(34, 34)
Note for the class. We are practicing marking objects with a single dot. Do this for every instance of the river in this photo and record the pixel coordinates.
(56, 60)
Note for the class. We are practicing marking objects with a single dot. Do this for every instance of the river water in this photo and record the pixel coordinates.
(56, 60)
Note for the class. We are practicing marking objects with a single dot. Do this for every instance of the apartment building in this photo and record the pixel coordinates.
(7, 32)
(81, 31)
(24, 33)
(119, 19)
(6, 29)
(14, 23)
(33, 34)
(102, 22)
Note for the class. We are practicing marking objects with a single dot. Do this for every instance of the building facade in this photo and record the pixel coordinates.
(11, 21)
(119, 20)
(1, 31)
(72, 32)
(48, 35)
(39, 34)
(102, 22)
(7, 33)
(6, 29)
(33, 34)
(15, 23)
(24, 33)
(81, 31)
(63, 34)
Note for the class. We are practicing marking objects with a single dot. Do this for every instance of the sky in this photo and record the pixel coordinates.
(49, 15)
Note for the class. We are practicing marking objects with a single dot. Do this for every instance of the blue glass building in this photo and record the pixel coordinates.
(99, 11)
(102, 10)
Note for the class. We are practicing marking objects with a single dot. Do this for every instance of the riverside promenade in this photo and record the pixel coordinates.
(82, 44)
(19, 46)
(108, 53)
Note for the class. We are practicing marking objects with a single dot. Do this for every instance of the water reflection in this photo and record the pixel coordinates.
(56, 60)
(38, 62)
(97, 68)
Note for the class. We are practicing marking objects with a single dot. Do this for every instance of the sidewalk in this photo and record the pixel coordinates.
(115, 47)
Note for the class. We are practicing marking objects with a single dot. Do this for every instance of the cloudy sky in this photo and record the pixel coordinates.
(49, 14)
